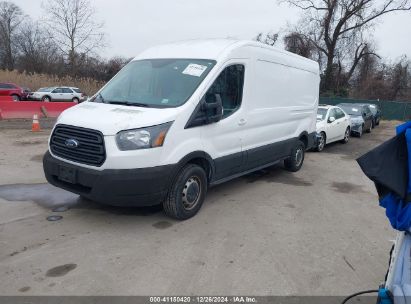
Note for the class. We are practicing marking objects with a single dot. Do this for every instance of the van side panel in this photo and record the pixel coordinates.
(284, 102)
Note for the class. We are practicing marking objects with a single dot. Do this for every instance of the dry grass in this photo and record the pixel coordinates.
(36, 81)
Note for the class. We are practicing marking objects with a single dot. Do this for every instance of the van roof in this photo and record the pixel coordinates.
(213, 49)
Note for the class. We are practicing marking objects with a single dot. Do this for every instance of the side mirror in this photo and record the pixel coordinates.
(331, 119)
(213, 107)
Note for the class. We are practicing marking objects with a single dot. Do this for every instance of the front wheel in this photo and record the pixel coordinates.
(187, 193)
(369, 129)
(346, 136)
(295, 161)
(46, 99)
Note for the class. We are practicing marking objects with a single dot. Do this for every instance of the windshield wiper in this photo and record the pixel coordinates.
(128, 103)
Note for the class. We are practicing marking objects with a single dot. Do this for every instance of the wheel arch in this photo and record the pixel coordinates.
(304, 138)
(200, 158)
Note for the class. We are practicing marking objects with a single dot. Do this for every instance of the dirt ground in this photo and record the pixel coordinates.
(319, 231)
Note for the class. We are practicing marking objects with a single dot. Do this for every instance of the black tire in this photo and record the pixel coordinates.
(360, 132)
(75, 99)
(321, 143)
(369, 129)
(187, 193)
(373, 124)
(346, 136)
(15, 97)
(46, 98)
(296, 160)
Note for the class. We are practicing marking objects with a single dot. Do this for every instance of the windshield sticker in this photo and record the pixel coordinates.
(165, 100)
(319, 116)
(354, 110)
(194, 70)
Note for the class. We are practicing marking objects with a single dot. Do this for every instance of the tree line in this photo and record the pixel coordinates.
(338, 35)
(335, 33)
(65, 42)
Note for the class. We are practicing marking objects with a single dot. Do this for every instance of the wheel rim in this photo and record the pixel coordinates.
(191, 192)
(15, 98)
(46, 99)
(347, 135)
(321, 144)
(299, 156)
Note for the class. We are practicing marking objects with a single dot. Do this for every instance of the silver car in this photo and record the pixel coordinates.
(58, 94)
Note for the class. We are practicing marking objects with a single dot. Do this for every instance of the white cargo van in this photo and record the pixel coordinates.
(182, 117)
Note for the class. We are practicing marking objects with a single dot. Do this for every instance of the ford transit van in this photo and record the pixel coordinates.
(182, 117)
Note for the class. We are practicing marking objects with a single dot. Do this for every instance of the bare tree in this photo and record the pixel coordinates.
(72, 25)
(268, 38)
(335, 24)
(296, 43)
(10, 18)
(37, 50)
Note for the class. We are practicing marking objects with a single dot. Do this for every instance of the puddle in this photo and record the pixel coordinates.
(59, 200)
(162, 225)
(32, 141)
(44, 195)
(25, 288)
(347, 187)
(37, 158)
(276, 175)
(61, 270)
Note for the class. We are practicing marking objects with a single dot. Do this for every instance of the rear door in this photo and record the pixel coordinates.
(57, 94)
(68, 94)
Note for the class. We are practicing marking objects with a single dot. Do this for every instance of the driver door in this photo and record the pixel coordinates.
(223, 139)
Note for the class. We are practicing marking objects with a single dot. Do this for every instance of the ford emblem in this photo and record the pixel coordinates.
(72, 143)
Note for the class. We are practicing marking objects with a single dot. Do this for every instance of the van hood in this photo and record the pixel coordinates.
(111, 119)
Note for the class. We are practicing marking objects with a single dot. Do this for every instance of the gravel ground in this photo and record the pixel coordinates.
(319, 231)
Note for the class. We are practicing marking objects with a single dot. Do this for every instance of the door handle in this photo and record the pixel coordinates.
(242, 122)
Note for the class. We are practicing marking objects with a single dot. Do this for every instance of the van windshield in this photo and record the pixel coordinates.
(158, 83)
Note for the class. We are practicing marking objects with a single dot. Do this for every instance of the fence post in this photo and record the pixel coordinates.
(405, 110)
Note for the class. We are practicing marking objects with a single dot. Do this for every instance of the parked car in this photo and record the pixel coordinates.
(164, 130)
(376, 113)
(13, 90)
(361, 117)
(58, 94)
(332, 125)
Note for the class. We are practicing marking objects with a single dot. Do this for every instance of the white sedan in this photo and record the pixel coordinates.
(333, 124)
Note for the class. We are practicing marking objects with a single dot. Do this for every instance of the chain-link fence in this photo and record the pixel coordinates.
(391, 110)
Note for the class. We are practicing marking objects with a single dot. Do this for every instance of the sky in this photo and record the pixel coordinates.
(134, 25)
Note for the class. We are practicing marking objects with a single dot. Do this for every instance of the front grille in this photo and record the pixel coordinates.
(90, 149)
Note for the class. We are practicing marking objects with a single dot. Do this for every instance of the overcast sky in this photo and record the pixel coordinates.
(133, 25)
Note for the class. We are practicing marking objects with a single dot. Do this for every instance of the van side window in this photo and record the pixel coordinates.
(229, 85)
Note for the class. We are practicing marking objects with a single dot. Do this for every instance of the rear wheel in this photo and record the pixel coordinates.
(15, 97)
(321, 142)
(346, 136)
(75, 99)
(296, 160)
(187, 193)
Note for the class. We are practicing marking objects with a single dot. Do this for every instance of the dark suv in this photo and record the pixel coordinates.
(16, 92)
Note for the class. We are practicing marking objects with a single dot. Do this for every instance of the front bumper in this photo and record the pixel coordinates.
(124, 187)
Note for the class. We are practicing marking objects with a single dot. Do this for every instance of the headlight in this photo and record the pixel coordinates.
(145, 138)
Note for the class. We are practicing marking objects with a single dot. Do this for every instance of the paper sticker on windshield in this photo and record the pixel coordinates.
(195, 70)
(354, 110)
(319, 116)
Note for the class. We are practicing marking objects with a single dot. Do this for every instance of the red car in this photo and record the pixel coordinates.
(16, 92)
